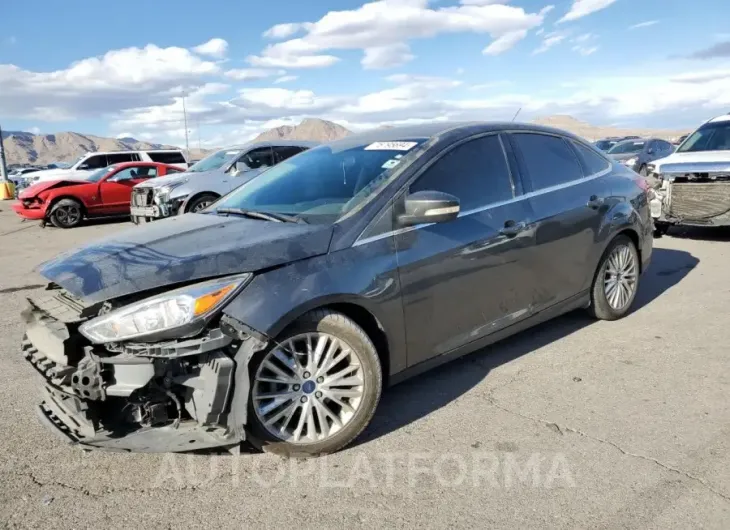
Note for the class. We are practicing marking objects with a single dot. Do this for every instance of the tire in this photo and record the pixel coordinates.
(602, 306)
(347, 333)
(203, 201)
(66, 213)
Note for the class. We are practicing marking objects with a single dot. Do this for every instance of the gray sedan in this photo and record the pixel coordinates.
(636, 154)
(208, 180)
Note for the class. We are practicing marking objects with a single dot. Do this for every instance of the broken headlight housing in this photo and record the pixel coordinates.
(159, 316)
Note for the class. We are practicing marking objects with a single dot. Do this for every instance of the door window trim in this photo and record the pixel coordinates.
(517, 193)
(563, 185)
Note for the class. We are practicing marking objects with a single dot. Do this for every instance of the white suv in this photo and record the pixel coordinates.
(98, 160)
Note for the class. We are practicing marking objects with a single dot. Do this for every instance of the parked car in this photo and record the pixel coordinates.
(680, 139)
(105, 192)
(279, 313)
(209, 179)
(692, 186)
(91, 162)
(636, 154)
(607, 143)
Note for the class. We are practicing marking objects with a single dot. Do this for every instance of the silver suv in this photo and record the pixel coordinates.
(208, 180)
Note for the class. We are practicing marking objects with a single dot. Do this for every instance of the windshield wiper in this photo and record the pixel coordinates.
(266, 216)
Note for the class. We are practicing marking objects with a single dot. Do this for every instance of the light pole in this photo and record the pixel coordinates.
(3, 168)
(185, 115)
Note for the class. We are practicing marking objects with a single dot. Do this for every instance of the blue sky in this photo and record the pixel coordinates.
(120, 68)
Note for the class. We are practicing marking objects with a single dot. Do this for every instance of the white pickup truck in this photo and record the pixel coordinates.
(692, 185)
(90, 162)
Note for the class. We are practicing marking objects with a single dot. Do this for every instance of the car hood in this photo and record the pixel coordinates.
(175, 178)
(181, 249)
(45, 185)
(694, 162)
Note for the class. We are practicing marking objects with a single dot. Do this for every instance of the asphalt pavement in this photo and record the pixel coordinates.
(574, 424)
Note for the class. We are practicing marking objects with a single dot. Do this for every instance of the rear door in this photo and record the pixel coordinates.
(116, 191)
(569, 192)
(464, 279)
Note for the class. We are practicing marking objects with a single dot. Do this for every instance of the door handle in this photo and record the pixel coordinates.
(511, 228)
(595, 202)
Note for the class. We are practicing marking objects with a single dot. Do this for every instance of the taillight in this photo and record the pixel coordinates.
(642, 182)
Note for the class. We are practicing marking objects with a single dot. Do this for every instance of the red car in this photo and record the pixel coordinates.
(103, 193)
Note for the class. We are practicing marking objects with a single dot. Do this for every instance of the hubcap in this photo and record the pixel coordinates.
(68, 215)
(308, 388)
(619, 282)
(201, 206)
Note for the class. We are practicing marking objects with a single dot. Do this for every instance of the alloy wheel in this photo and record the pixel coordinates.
(68, 215)
(620, 277)
(308, 388)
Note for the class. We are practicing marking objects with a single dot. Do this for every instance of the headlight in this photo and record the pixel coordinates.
(630, 161)
(164, 313)
(162, 194)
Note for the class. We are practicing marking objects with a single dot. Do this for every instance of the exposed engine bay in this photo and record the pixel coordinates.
(169, 395)
(696, 199)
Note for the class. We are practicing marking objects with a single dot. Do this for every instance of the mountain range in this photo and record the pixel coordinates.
(27, 148)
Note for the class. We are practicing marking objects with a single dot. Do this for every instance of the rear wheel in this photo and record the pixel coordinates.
(67, 213)
(316, 389)
(616, 281)
(201, 203)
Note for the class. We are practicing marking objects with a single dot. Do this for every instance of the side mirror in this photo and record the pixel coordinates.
(429, 207)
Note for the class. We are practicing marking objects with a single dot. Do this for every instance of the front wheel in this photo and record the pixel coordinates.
(617, 280)
(201, 203)
(67, 213)
(316, 388)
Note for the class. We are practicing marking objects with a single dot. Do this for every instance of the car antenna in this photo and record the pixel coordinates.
(516, 113)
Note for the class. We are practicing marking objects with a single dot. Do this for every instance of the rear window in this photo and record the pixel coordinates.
(593, 162)
(167, 157)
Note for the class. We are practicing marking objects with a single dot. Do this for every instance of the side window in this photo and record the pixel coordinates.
(593, 162)
(118, 158)
(475, 172)
(261, 157)
(96, 162)
(283, 152)
(167, 157)
(145, 172)
(666, 146)
(125, 174)
(548, 160)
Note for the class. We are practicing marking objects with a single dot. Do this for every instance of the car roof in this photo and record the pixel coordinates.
(123, 165)
(456, 130)
(90, 153)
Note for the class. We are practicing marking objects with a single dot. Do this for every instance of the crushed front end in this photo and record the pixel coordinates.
(170, 395)
(149, 203)
(692, 199)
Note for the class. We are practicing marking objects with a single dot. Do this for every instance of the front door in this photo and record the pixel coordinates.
(116, 190)
(569, 193)
(464, 279)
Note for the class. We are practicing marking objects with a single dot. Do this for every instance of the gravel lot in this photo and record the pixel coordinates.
(575, 424)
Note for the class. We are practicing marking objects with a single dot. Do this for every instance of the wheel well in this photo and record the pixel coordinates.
(370, 325)
(197, 196)
(633, 236)
(53, 202)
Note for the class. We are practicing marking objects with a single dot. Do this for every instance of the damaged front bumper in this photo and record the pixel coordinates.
(148, 205)
(691, 202)
(172, 396)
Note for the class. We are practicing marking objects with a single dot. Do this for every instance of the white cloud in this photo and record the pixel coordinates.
(646, 24)
(550, 40)
(215, 48)
(286, 79)
(124, 135)
(582, 8)
(387, 24)
(97, 86)
(249, 74)
(282, 31)
(388, 56)
(34, 130)
(585, 50)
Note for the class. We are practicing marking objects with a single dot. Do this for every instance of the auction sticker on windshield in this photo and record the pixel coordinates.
(391, 146)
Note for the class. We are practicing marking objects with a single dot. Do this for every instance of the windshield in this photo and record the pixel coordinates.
(605, 145)
(627, 147)
(709, 137)
(96, 176)
(215, 161)
(324, 183)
